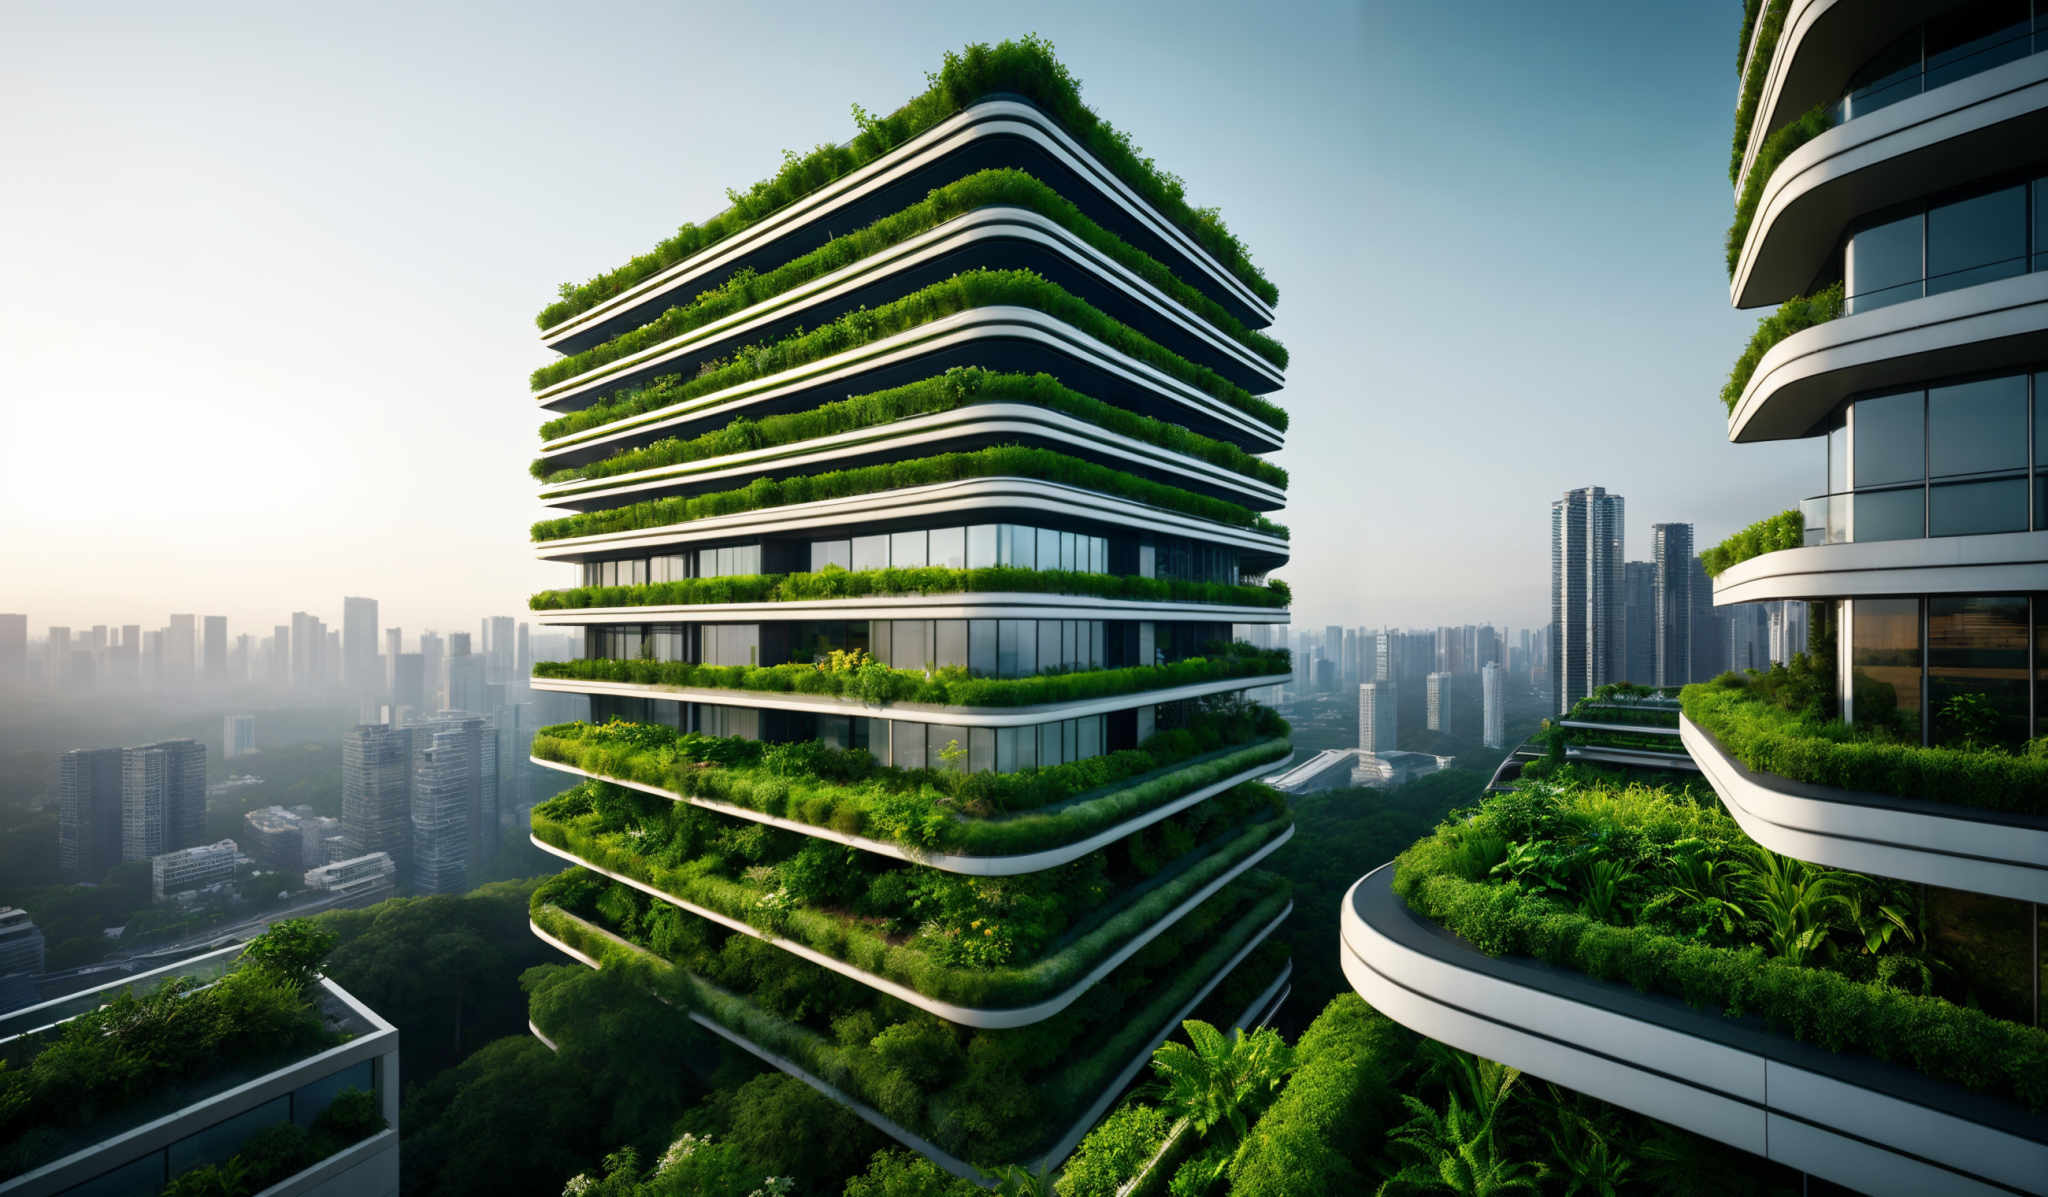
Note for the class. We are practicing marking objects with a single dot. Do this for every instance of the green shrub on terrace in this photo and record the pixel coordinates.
(1012, 188)
(1025, 68)
(951, 686)
(1637, 886)
(1793, 745)
(1773, 24)
(1342, 1095)
(1598, 710)
(1794, 315)
(1014, 918)
(958, 387)
(276, 1152)
(832, 582)
(1750, 9)
(1785, 530)
(924, 808)
(1776, 148)
(962, 292)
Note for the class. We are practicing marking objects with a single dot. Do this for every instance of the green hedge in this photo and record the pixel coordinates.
(962, 292)
(1773, 24)
(833, 582)
(1011, 188)
(1776, 148)
(1782, 743)
(847, 940)
(1794, 315)
(1750, 9)
(1947, 1042)
(1025, 68)
(959, 387)
(283, 1150)
(998, 461)
(1785, 530)
(1337, 1103)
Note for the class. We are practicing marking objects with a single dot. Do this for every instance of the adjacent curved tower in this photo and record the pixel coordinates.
(916, 521)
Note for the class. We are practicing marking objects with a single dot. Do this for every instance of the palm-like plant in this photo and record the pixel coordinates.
(1792, 899)
(1212, 1078)
(1452, 1152)
(1017, 1181)
(1589, 1162)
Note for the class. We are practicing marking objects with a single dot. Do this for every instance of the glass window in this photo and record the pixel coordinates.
(746, 559)
(907, 550)
(981, 750)
(1098, 554)
(310, 1100)
(948, 548)
(1027, 748)
(1987, 945)
(1886, 79)
(946, 747)
(1890, 436)
(1020, 547)
(877, 738)
(1049, 745)
(906, 744)
(2041, 450)
(1976, 427)
(223, 1139)
(1048, 549)
(670, 568)
(1838, 459)
(2041, 679)
(870, 552)
(835, 731)
(1972, 38)
(982, 641)
(883, 645)
(949, 649)
(1006, 750)
(1068, 555)
(1977, 668)
(1070, 741)
(1970, 508)
(1976, 240)
(913, 644)
(1889, 514)
(1883, 264)
(1049, 657)
(981, 546)
(831, 552)
(1090, 733)
(2040, 190)
(1885, 657)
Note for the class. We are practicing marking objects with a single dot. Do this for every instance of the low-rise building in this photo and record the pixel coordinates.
(21, 942)
(371, 871)
(189, 870)
(275, 839)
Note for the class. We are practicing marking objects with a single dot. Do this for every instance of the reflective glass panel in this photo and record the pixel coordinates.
(907, 549)
(1889, 514)
(1890, 436)
(1049, 657)
(1977, 427)
(912, 644)
(1885, 656)
(870, 552)
(907, 744)
(1969, 508)
(1889, 77)
(1973, 38)
(949, 649)
(981, 749)
(1006, 750)
(2041, 450)
(946, 747)
(2040, 190)
(1884, 265)
(1977, 676)
(981, 546)
(1976, 240)
(1048, 549)
(949, 548)
(981, 647)
(1838, 459)
(831, 552)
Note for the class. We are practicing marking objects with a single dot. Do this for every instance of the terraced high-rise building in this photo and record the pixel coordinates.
(915, 502)
(1831, 956)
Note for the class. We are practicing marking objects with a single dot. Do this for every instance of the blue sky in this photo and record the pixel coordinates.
(272, 271)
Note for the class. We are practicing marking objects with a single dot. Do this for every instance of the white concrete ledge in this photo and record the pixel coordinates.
(973, 604)
(1991, 563)
(1721, 1078)
(1948, 845)
(1016, 865)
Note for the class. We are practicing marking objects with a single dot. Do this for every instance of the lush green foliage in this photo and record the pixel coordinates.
(984, 942)
(1795, 314)
(1216, 1082)
(833, 582)
(1772, 24)
(1342, 1096)
(962, 292)
(1025, 68)
(1776, 148)
(1662, 892)
(276, 1152)
(1800, 745)
(998, 461)
(878, 685)
(1012, 188)
(1785, 530)
(148, 1047)
(1113, 1152)
(1750, 10)
(959, 387)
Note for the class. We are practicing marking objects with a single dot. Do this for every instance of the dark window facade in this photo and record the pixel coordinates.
(1946, 246)
(1967, 40)
(1950, 670)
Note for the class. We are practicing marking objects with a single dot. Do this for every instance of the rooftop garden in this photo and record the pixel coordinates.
(856, 675)
(991, 1097)
(976, 941)
(1007, 187)
(1778, 723)
(283, 1150)
(1794, 315)
(1785, 530)
(1000, 461)
(1655, 887)
(1024, 67)
(962, 386)
(929, 809)
(834, 582)
(962, 292)
(142, 1055)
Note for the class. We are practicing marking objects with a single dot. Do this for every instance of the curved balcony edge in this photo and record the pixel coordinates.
(1852, 1120)
(975, 604)
(1987, 327)
(1989, 563)
(1940, 844)
(1015, 865)
(998, 1018)
(1960, 131)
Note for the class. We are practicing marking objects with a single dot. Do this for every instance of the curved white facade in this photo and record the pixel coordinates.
(2000, 561)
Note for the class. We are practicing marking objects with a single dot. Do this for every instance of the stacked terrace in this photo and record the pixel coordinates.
(914, 506)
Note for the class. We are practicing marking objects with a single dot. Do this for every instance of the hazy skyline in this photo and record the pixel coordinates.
(275, 273)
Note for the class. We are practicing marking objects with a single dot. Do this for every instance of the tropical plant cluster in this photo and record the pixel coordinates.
(274, 1153)
(1768, 25)
(1657, 888)
(978, 941)
(961, 386)
(833, 582)
(989, 1096)
(1595, 709)
(980, 814)
(1776, 148)
(1794, 315)
(962, 292)
(1785, 530)
(1025, 68)
(140, 1047)
(952, 685)
(998, 461)
(1779, 730)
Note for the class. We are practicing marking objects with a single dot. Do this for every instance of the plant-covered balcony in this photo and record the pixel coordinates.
(1786, 530)
(992, 944)
(991, 1097)
(833, 582)
(980, 814)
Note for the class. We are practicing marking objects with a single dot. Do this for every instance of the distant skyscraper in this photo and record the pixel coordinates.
(237, 736)
(454, 801)
(1749, 636)
(1587, 626)
(502, 648)
(1709, 627)
(1493, 715)
(145, 804)
(56, 656)
(181, 648)
(408, 685)
(213, 656)
(1639, 622)
(89, 812)
(1438, 700)
(280, 655)
(308, 644)
(359, 668)
(465, 677)
(394, 644)
(1378, 716)
(13, 650)
(21, 943)
(376, 787)
(523, 666)
(1672, 596)
(433, 658)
